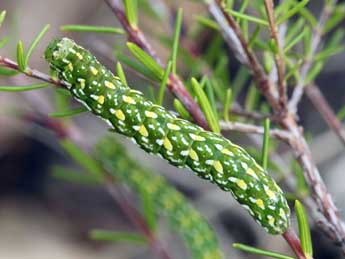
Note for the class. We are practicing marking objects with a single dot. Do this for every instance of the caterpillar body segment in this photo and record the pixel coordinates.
(178, 141)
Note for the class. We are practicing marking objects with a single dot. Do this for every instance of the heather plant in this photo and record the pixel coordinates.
(279, 49)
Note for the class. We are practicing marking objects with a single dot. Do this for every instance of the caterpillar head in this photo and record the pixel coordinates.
(57, 51)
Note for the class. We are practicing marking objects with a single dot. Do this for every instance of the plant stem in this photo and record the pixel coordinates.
(253, 129)
(294, 242)
(278, 56)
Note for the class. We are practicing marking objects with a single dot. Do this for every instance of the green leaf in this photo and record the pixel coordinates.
(227, 105)
(294, 41)
(2, 17)
(304, 231)
(258, 251)
(72, 176)
(322, 55)
(178, 25)
(82, 158)
(146, 60)
(35, 43)
(7, 72)
(205, 106)
(207, 22)
(131, 10)
(20, 56)
(148, 210)
(22, 88)
(164, 83)
(306, 14)
(252, 98)
(138, 67)
(337, 16)
(313, 72)
(91, 28)
(208, 86)
(247, 17)
(102, 235)
(254, 36)
(181, 110)
(121, 73)
(266, 143)
(68, 113)
(295, 9)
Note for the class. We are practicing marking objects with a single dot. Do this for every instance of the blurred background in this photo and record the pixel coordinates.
(41, 217)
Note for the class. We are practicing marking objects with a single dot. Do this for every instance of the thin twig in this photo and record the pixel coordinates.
(322, 106)
(278, 56)
(253, 129)
(6, 62)
(174, 83)
(239, 111)
(308, 62)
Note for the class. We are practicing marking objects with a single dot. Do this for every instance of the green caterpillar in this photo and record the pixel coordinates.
(159, 132)
(183, 218)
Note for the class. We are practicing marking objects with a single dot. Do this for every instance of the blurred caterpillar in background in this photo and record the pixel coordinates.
(183, 218)
(178, 141)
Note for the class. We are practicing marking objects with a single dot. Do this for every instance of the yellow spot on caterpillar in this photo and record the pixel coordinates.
(242, 184)
(282, 213)
(128, 99)
(196, 137)
(80, 56)
(173, 126)
(260, 203)
(119, 114)
(193, 155)
(109, 84)
(151, 114)
(69, 67)
(251, 173)
(100, 99)
(143, 131)
(82, 82)
(226, 152)
(93, 70)
(167, 144)
(270, 194)
(271, 221)
(218, 166)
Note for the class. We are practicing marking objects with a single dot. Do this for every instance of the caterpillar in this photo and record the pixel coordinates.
(157, 131)
(199, 237)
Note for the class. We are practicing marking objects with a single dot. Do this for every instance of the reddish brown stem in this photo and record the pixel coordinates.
(31, 72)
(294, 242)
(278, 56)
